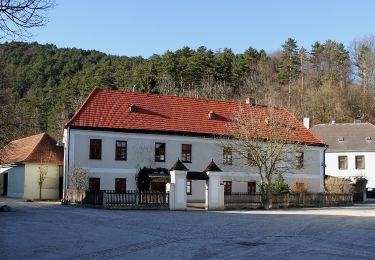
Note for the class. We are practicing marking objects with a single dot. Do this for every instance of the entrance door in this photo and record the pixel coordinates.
(158, 186)
(5, 184)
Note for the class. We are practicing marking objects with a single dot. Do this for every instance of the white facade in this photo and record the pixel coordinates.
(332, 166)
(140, 153)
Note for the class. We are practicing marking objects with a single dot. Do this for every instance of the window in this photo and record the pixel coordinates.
(95, 149)
(227, 156)
(300, 187)
(250, 159)
(120, 185)
(299, 160)
(186, 153)
(160, 152)
(343, 162)
(121, 150)
(227, 187)
(94, 184)
(251, 187)
(360, 162)
(188, 187)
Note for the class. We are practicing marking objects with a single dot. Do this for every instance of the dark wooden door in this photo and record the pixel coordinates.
(61, 180)
(5, 184)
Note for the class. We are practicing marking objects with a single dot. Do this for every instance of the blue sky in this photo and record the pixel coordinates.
(142, 27)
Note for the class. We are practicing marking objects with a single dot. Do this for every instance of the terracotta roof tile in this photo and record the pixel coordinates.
(40, 148)
(109, 109)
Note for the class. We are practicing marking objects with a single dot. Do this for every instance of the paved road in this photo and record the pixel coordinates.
(51, 231)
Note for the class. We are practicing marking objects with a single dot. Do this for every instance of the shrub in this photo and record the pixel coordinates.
(278, 186)
(299, 189)
(337, 185)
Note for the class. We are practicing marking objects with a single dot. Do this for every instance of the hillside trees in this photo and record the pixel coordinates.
(41, 85)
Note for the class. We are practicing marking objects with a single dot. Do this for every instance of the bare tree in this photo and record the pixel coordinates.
(79, 178)
(363, 55)
(18, 16)
(43, 171)
(264, 139)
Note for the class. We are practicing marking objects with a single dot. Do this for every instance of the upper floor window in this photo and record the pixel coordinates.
(160, 152)
(299, 160)
(186, 153)
(96, 149)
(343, 162)
(360, 162)
(227, 156)
(121, 150)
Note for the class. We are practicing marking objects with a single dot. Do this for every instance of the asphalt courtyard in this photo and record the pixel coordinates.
(45, 230)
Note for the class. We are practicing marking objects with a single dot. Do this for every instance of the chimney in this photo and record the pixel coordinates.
(357, 120)
(250, 101)
(306, 122)
(211, 115)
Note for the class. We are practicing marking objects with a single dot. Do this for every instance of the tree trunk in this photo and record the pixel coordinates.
(267, 197)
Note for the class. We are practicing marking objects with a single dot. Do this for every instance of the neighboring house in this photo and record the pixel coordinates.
(21, 163)
(351, 150)
(115, 133)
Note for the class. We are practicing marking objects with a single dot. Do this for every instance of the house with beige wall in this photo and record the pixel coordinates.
(22, 163)
(116, 133)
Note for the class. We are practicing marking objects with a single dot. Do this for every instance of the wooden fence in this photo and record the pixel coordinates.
(245, 200)
(113, 199)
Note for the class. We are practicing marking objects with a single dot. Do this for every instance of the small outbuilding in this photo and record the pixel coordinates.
(32, 168)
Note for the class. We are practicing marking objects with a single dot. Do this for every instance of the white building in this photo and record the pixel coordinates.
(116, 133)
(351, 150)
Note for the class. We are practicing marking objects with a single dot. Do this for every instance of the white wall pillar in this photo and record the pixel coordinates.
(214, 192)
(177, 195)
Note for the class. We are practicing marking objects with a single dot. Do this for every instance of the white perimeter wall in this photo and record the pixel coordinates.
(332, 166)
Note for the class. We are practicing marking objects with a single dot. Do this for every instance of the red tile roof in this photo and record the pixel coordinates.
(39, 148)
(109, 109)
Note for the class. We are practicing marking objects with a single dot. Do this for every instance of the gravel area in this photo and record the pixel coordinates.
(47, 230)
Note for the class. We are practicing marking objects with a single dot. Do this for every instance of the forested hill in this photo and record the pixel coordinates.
(42, 85)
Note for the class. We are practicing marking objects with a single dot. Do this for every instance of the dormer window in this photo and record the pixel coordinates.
(368, 138)
(211, 115)
(341, 139)
(132, 108)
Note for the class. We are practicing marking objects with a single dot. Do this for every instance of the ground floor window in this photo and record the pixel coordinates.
(188, 187)
(251, 187)
(120, 185)
(94, 184)
(227, 187)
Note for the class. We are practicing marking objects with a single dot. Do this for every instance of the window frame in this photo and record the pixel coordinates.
(120, 190)
(118, 150)
(158, 150)
(95, 149)
(186, 153)
(189, 184)
(363, 162)
(251, 187)
(91, 181)
(346, 162)
(227, 155)
(299, 159)
(227, 187)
